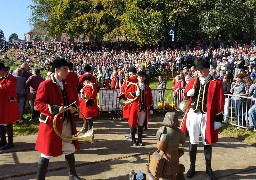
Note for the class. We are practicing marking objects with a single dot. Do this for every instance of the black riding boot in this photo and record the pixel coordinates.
(9, 131)
(133, 132)
(2, 136)
(70, 162)
(42, 168)
(208, 161)
(140, 132)
(192, 155)
(89, 123)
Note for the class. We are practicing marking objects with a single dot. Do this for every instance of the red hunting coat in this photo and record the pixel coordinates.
(89, 92)
(123, 88)
(49, 93)
(215, 106)
(135, 105)
(8, 100)
(73, 81)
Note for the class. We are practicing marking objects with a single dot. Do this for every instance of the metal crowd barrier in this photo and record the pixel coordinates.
(163, 100)
(236, 110)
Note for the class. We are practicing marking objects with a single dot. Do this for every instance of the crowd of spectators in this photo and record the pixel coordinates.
(234, 65)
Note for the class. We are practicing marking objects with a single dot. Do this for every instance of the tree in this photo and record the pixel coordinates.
(2, 38)
(13, 36)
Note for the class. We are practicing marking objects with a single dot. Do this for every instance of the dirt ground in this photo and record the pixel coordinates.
(112, 157)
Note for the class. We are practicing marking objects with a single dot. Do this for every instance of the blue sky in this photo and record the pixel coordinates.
(14, 16)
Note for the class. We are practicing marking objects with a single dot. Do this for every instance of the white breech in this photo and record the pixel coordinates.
(142, 118)
(196, 126)
(67, 146)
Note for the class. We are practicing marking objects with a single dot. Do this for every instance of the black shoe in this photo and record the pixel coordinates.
(210, 174)
(3, 143)
(8, 146)
(191, 172)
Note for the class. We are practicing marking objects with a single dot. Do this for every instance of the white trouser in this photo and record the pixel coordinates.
(196, 125)
(67, 146)
(142, 118)
(226, 109)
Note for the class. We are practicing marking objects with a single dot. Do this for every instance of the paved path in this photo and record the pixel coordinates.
(112, 157)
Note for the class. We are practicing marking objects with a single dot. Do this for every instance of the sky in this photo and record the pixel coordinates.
(14, 17)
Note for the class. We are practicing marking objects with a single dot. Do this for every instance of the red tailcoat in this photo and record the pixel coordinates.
(135, 105)
(89, 92)
(126, 108)
(49, 93)
(73, 80)
(8, 100)
(93, 79)
(114, 82)
(215, 105)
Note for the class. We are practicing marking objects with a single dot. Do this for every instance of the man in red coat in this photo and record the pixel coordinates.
(50, 104)
(140, 107)
(94, 113)
(88, 102)
(8, 106)
(132, 78)
(72, 79)
(204, 114)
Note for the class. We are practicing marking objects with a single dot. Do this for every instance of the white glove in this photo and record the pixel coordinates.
(191, 92)
(137, 93)
(151, 112)
(217, 125)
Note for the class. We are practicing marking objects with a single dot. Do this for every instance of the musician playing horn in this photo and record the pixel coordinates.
(140, 107)
(52, 97)
(88, 101)
(92, 111)
(205, 114)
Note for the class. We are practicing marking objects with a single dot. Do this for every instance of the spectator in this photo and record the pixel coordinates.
(227, 88)
(33, 83)
(161, 86)
(21, 92)
(178, 86)
(237, 89)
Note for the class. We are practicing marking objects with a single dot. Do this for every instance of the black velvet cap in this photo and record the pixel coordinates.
(202, 63)
(132, 69)
(87, 68)
(2, 66)
(57, 63)
(142, 73)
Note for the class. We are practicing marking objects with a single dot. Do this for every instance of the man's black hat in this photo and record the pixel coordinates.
(2, 66)
(86, 78)
(132, 69)
(202, 63)
(87, 68)
(57, 63)
(142, 73)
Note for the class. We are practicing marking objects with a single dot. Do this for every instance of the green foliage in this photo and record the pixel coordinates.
(147, 21)
(2, 38)
(13, 36)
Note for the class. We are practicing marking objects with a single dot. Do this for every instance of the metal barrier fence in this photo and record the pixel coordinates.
(236, 108)
(163, 100)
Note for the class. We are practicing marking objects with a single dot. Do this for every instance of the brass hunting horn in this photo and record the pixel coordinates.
(82, 134)
(125, 101)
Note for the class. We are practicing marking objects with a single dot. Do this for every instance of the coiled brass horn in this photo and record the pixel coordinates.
(125, 101)
(82, 134)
